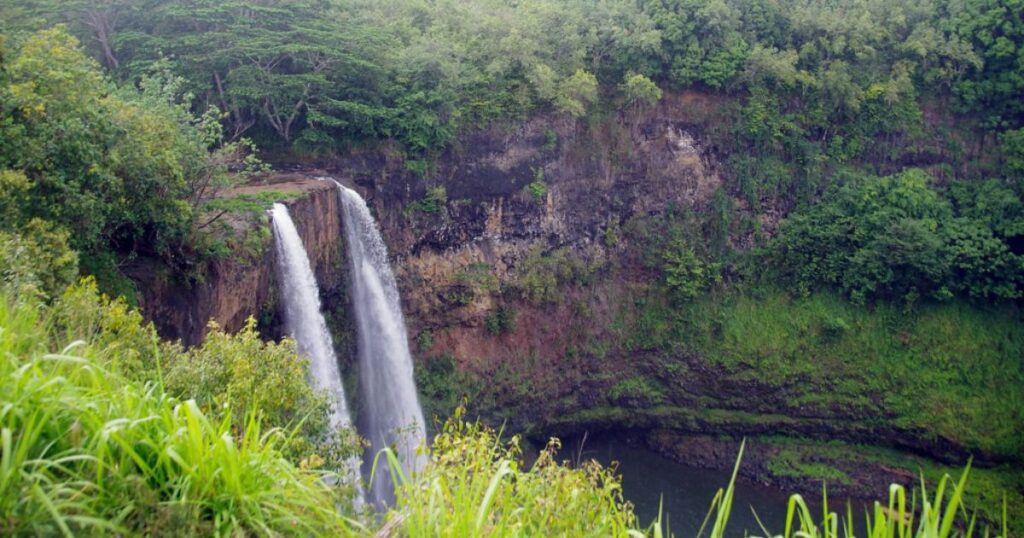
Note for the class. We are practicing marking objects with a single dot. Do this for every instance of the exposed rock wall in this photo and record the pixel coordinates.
(558, 366)
(230, 289)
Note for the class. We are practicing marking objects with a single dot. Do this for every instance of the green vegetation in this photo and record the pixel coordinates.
(686, 275)
(790, 463)
(863, 256)
(116, 171)
(250, 203)
(93, 444)
(433, 202)
(908, 366)
(502, 320)
(478, 277)
(543, 273)
(898, 238)
(538, 190)
(639, 391)
(443, 386)
(987, 492)
(503, 498)
(500, 497)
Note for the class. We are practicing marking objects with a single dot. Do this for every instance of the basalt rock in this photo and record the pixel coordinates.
(231, 288)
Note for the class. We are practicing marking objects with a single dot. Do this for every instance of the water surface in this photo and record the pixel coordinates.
(684, 493)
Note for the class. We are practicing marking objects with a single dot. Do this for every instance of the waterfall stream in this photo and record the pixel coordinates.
(391, 413)
(304, 322)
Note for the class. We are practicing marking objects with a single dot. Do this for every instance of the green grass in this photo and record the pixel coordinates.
(638, 389)
(250, 203)
(950, 370)
(987, 494)
(88, 451)
(435, 199)
(476, 484)
(791, 463)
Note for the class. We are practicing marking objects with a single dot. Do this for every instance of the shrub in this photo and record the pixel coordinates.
(895, 237)
(500, 497)
(537, 188)
(478, 278)
(36, 261)
(239, 373)
(540, 274)
(433, 202)
(686, 275)
(501, 321)
(425, 340)
(443, 386)
(116, 332)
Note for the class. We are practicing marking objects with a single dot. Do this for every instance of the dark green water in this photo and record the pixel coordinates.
(684, 492)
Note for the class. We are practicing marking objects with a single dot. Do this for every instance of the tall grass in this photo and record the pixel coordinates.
(476, 485)
(87, 451)
(938, 516)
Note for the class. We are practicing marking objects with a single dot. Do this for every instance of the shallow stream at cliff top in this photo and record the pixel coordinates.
(684, 492)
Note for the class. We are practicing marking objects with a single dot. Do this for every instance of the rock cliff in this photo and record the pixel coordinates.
(229, 289)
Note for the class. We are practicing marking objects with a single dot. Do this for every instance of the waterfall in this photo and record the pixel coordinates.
(391, 414)
(304, 322)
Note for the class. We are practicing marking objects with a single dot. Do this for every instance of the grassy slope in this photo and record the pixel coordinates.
(951, 371)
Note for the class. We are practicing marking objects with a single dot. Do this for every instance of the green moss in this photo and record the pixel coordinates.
(637, 389)
(792, 463)
(986, 490)
(250, 203)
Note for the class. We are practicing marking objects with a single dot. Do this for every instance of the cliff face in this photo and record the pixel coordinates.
(517, 273)
(531, 188)
(528, 282)
(529, 286)
(232, 288)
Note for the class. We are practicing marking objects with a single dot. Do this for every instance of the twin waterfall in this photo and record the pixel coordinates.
(390, 414)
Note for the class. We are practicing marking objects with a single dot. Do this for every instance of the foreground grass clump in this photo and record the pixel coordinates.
(938, 516)
(476, 485)
(86, 450)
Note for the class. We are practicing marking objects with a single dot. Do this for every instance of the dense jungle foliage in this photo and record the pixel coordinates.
(881, 140)
(822, 93)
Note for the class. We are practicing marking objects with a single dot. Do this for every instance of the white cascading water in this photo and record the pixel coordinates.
(391, 415)
(305, 322)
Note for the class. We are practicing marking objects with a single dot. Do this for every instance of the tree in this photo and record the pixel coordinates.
(124, 168)
(896, 238)
(640, 91)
